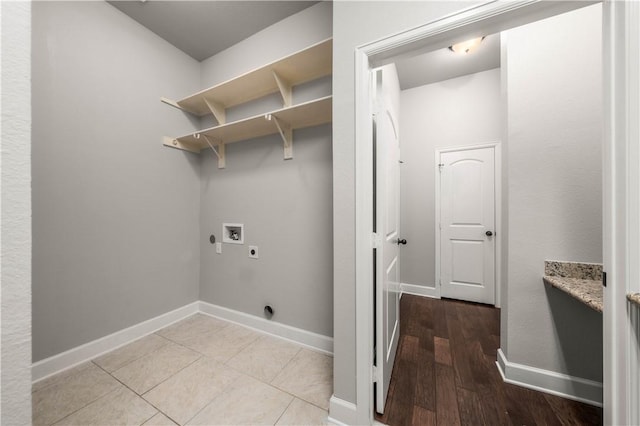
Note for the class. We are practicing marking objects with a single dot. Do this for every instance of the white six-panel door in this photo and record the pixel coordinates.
(387, 199)
(467, 224)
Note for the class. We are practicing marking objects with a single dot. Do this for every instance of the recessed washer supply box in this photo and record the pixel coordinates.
(233, 233)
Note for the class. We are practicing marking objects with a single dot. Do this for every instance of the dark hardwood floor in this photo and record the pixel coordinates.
(445, 373)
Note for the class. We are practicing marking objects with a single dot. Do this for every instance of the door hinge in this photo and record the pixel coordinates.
(440, 166)
(376, 240)
(604, 279)
(374, 374)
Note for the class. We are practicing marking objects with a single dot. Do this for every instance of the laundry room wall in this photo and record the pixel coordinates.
(285, 206)
(115, 214)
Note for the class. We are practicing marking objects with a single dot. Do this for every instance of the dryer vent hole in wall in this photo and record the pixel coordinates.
(268, 312)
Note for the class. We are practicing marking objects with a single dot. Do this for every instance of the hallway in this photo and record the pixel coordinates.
(445, 373)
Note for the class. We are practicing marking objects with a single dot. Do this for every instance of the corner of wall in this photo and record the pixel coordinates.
(15, 296)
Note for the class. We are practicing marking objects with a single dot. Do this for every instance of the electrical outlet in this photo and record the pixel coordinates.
(253, 252)
(219, 248)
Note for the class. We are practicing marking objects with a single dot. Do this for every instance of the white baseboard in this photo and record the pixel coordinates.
(317, 342)
(419, 290)
(575, 388)
(342, 412)
(68, 359)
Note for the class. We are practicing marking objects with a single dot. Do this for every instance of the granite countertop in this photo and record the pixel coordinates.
(582, 281)
(634, 298)
(588, 292)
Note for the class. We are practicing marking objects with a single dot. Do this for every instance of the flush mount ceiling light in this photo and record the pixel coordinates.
(467, 46)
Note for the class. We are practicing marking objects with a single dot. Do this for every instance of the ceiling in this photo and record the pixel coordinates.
(203, 28)
(443, 64)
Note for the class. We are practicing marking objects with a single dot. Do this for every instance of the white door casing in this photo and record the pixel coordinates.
(467, 224)
(387, 200)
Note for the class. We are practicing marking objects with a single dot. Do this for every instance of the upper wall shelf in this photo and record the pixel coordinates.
(279, 76)
(306, 65)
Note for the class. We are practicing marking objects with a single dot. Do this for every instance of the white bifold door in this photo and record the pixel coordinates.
(467, 224)
(386, 231)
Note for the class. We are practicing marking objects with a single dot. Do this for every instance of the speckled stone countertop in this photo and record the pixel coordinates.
(634, 298)
(583, 281)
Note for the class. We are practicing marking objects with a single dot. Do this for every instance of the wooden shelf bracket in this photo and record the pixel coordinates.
(286, 133)
(285, 90)
(220, 152)
(175, 143)
(173, 104)
(218, 111)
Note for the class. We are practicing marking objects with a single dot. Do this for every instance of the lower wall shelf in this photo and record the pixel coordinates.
(282, 121)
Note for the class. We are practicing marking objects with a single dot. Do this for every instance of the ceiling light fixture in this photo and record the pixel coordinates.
(467, 46)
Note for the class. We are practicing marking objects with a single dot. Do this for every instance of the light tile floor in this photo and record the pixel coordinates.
(199, 371)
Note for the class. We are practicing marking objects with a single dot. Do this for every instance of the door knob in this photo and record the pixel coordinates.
(488, 233)
(401, 241)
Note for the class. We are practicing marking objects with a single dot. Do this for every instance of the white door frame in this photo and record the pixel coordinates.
(621, 194)
(497, 209)
(622, 101)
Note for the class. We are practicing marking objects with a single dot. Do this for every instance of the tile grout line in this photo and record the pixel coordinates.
(83, 407)
(135, 393)
(149, 390)
(284, 411)
(286, 391)
(93, 360)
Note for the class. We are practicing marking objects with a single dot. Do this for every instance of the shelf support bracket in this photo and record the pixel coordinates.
(285, 90)
(285, 133)
(219, 152)
(175, 143)
(218, 111)
(174, 104)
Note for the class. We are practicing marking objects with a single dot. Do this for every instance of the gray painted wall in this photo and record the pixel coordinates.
(457, 112)
(356, 23)
(555, 188)
(294, 33)
(285, 206)
(15, 226)
(115, 214)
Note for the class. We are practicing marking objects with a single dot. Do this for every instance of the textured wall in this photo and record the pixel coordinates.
(555, 188)
(115, 214)
(457, 112)
(15, 181)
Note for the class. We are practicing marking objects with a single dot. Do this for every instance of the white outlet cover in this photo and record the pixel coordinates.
(253, 252)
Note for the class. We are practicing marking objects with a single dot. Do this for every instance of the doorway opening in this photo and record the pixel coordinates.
(436, 36)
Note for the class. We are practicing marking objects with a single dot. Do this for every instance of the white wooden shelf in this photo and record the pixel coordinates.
(283, 121)
(279, 76)
(300, 67)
